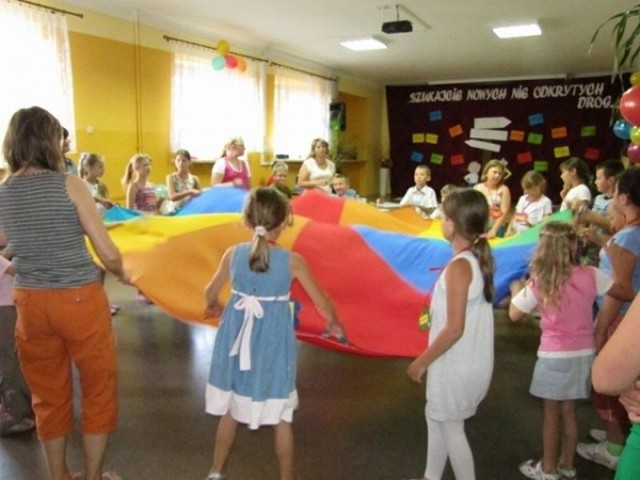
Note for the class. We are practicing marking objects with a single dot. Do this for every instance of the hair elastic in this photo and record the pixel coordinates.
(260, 231)
(483, 235)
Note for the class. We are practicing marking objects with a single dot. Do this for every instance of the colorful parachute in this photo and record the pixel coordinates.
(378, 267)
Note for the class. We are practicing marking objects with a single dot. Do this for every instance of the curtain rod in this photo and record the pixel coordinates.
(51, 9)
(275, 64)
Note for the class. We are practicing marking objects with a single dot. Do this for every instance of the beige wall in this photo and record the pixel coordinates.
(122, 79)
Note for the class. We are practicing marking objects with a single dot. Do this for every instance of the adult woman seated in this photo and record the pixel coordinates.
(317, 171)
(230, 170)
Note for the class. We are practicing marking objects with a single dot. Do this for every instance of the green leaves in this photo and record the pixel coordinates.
(625, 38)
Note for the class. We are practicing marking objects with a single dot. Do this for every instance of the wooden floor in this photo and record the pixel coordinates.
(359, 418)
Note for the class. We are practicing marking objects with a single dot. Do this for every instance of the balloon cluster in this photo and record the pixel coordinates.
(224, 58)
(628, 127)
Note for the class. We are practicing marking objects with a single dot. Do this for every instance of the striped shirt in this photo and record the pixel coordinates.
(44, 232)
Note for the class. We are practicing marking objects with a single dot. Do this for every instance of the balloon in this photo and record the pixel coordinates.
(634, 135)
(223, 47)
(218, 62)
(635, 78)
(232, 61)
(633, 152)
(622, 129)
(242, 64)
(630, 105)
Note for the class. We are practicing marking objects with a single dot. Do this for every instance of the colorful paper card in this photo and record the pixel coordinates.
(436, 158)
(592, 153)
(435, 115)
(536, 119)
(457, 159)
(588, 131)
(417, 138)
(534, 138)
(516, 135)
(524, 157)
(431, 138)
(455, 130)
(541, 166)
(561, 152)
(559, 132)
(417, 157)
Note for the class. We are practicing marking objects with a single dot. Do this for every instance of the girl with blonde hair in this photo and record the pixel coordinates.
(563, 291)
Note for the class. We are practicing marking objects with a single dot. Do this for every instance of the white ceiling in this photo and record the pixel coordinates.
(458, 43)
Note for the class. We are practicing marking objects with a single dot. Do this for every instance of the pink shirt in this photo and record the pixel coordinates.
(567, 329)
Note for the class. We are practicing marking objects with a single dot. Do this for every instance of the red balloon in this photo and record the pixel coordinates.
(630, 105)
(232, 62)
(633, 152)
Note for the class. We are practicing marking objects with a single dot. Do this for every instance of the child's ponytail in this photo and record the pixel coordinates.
(482, 251)
(259, 256)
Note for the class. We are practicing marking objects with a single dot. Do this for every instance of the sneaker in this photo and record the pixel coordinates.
(533, 470)
(598, 435)
(598, 453)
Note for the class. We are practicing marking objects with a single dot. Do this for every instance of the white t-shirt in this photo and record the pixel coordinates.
(576, 194)
(529, 213)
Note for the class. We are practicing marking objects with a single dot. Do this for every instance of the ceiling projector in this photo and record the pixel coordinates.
(399, 26)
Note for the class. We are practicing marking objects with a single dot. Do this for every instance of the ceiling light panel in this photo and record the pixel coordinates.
(517, 31)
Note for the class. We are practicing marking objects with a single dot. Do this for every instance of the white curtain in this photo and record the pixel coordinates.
(36, 63)
(301, 111)
(208, 107)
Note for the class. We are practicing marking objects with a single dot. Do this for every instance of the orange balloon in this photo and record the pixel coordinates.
(242, 64)
(223, 47)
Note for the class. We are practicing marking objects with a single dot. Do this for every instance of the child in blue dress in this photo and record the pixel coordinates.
(253, 368)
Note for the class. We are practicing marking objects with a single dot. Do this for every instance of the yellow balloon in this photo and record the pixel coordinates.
(635, 78)
(223, 47)
(634, 135)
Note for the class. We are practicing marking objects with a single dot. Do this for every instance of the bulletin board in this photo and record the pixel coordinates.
(532, 125)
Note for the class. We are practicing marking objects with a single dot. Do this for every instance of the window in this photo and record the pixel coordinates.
(301, 111)
(208, 107)
(37, 64)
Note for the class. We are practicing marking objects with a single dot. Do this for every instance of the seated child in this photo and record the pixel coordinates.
(340, 185)
(278, 180)
(444, 191)
(421, 197)
(533, 206)
(91, 170)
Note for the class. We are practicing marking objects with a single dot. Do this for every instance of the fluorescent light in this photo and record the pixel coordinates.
(516, 31)
(360, 44)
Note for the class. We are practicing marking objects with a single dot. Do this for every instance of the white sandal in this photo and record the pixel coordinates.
(567, 473)
(216, 476)
(533, 470)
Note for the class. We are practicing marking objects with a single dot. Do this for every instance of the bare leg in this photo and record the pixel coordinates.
(284, 449)
(569, 434)
(551, 424)
(95, 446)
(55, 451)
(225, 436)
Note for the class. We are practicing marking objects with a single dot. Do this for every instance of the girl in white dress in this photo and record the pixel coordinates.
(459, 359)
